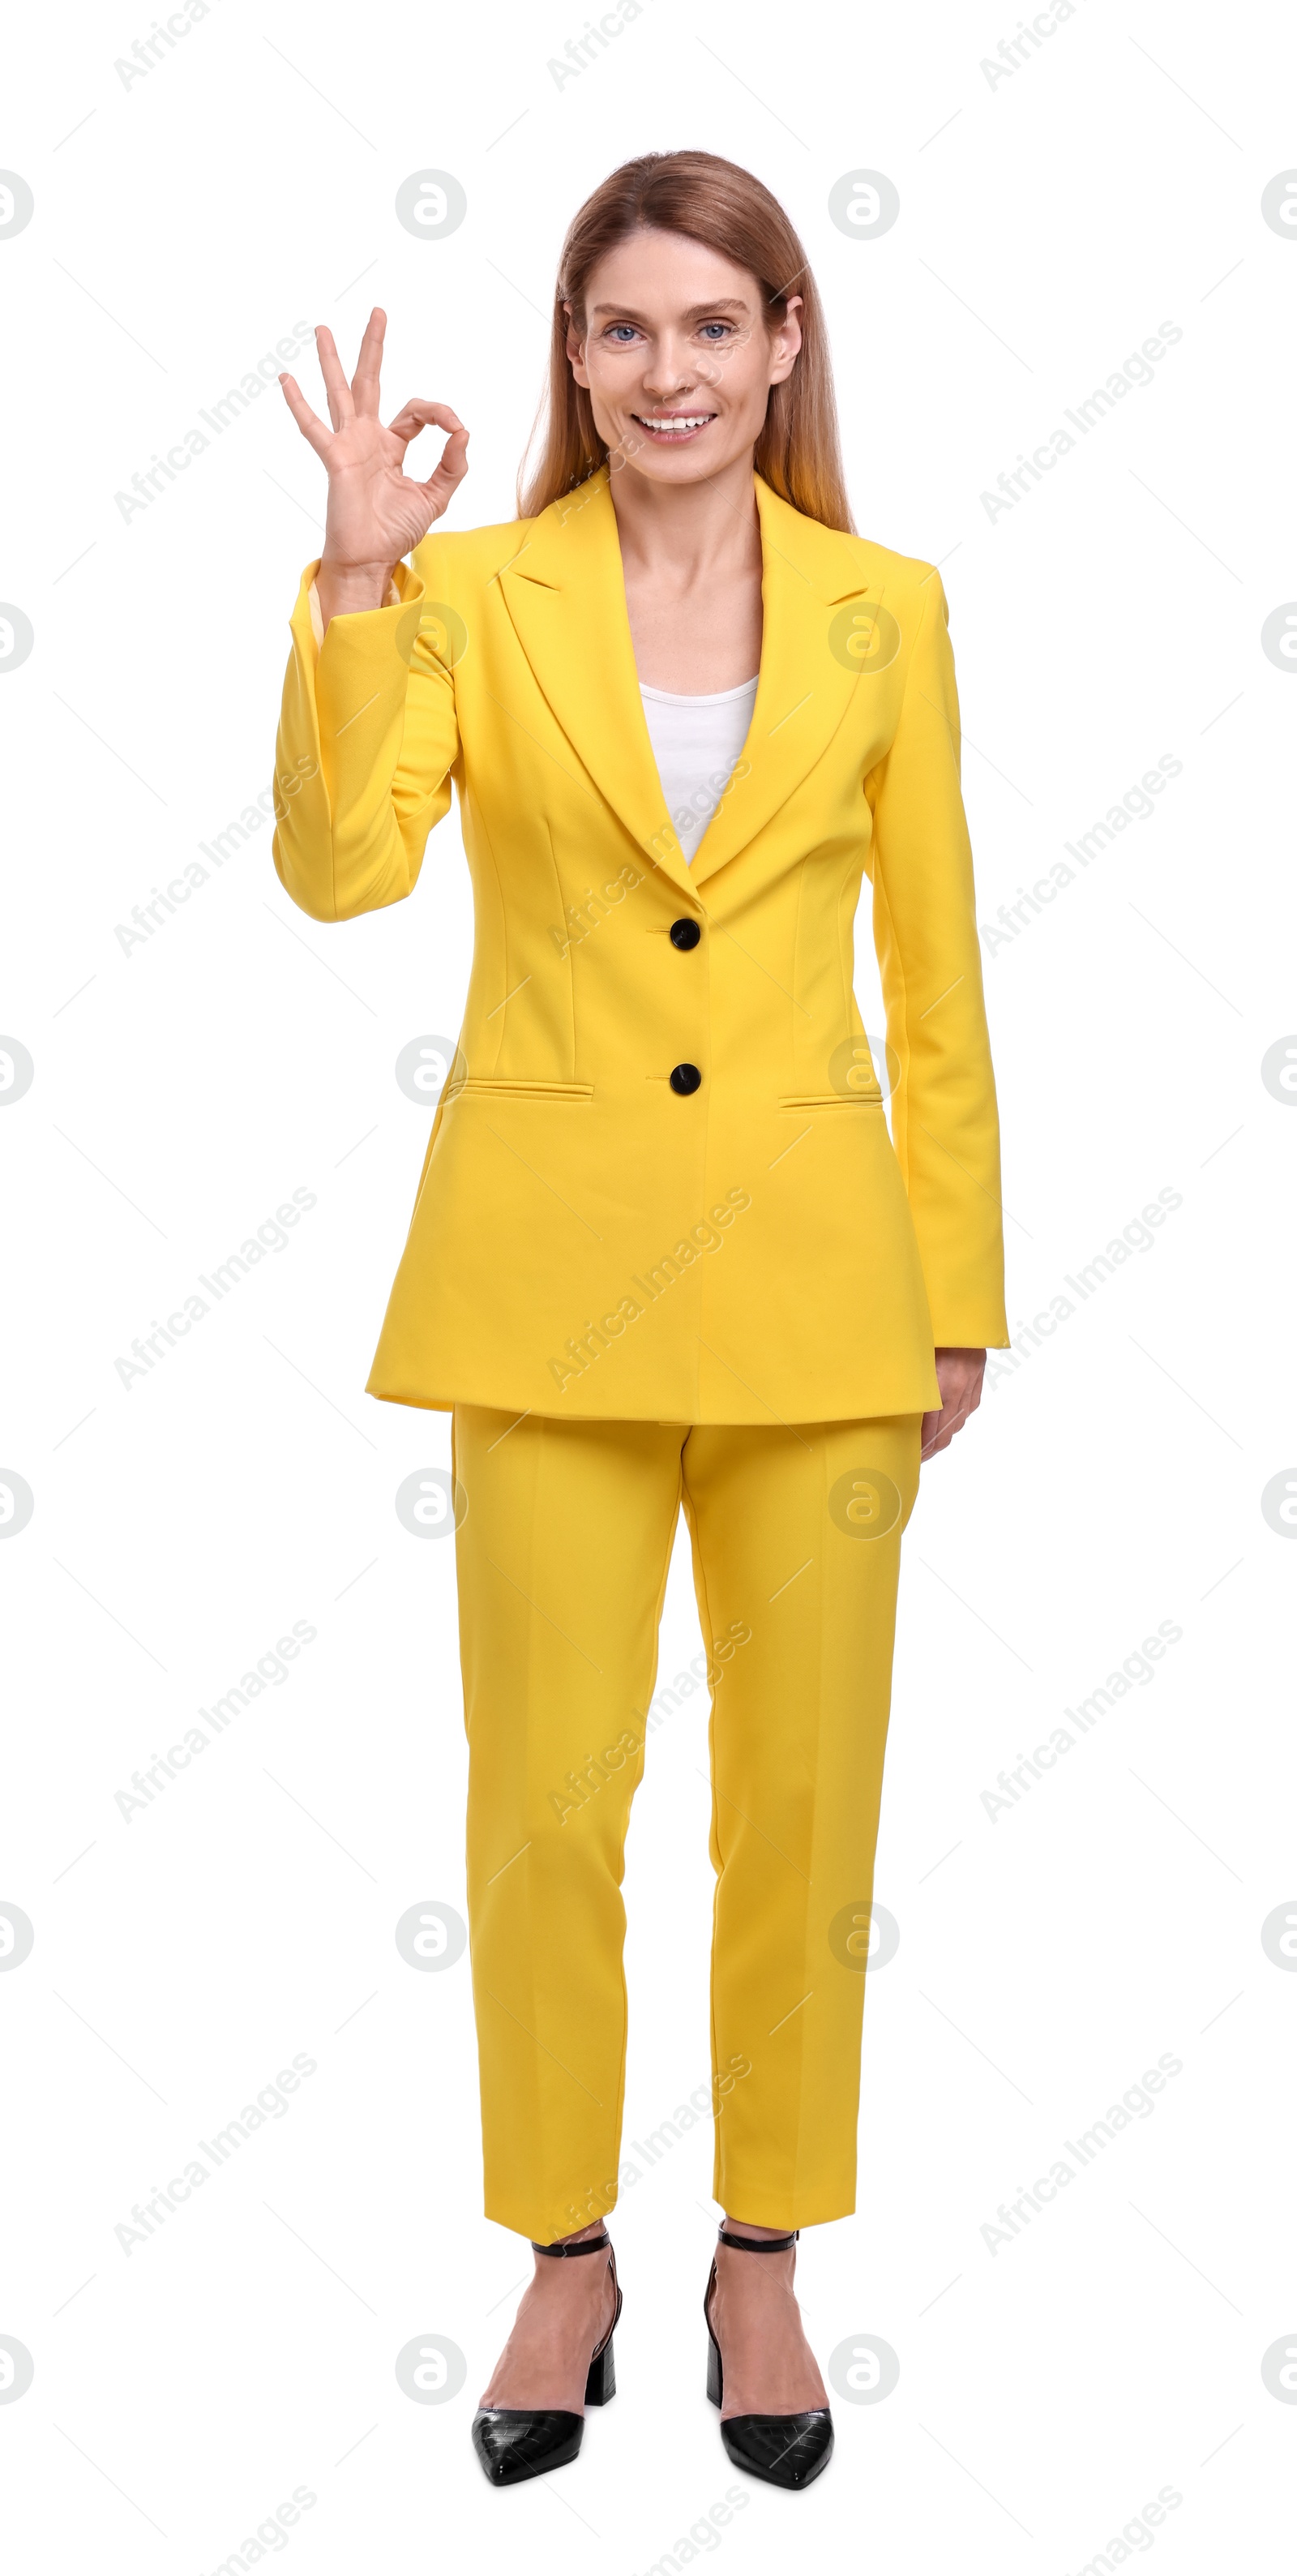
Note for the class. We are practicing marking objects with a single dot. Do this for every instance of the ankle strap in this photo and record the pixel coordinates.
(757, 2244)
(588, 2245)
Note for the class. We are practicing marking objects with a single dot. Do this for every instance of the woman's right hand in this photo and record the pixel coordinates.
(376, 512)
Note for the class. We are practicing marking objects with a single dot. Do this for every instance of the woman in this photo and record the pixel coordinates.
(663, 1248)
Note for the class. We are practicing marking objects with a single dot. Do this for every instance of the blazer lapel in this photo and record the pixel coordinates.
(566, 596)
(809, 572)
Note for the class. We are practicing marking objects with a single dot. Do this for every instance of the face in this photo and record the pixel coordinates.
(677, 357)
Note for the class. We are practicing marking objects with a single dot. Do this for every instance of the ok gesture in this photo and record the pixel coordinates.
(376, 512)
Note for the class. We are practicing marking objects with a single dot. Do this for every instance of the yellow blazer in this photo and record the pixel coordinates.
(596, 1233)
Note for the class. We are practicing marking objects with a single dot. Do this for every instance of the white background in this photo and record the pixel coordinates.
(1048, 2389)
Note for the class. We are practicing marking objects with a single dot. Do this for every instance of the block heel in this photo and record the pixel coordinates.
(601, 2381)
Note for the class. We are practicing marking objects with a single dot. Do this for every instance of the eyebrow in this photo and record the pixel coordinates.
(692, 312)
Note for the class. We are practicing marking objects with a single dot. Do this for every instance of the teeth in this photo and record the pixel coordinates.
(679, 420)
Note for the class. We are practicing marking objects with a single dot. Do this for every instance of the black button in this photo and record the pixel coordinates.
(685, 1077)
(685, 934)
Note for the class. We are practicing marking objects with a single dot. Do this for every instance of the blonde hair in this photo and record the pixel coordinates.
(722, 206)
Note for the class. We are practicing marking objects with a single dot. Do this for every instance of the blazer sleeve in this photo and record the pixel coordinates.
(944, 1122)
(367, 741)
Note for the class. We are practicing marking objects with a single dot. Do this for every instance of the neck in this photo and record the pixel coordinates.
(688, 532)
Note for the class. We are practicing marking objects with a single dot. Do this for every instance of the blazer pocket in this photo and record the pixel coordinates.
(494, 1086)
(832, 1100)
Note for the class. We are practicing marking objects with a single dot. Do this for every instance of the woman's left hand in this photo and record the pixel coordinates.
(959, 1376)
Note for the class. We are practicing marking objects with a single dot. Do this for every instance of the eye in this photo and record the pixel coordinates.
(720, 329)
(620, 334)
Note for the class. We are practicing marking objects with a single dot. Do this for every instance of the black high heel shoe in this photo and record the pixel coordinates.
(785, 2450)
(517, 2442)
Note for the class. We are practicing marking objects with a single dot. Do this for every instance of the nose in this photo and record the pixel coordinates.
(669, 370)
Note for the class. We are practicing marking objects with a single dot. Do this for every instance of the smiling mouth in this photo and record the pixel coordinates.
(666, 426)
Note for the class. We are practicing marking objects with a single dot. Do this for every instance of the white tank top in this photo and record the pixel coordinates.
(696, 742)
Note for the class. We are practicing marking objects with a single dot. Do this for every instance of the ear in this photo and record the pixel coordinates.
(785, 342)
(575, 350)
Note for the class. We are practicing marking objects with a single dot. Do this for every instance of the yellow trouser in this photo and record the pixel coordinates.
(562, 1565)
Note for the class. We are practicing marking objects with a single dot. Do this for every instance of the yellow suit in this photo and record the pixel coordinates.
(587, 1241)
(665, 1255)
